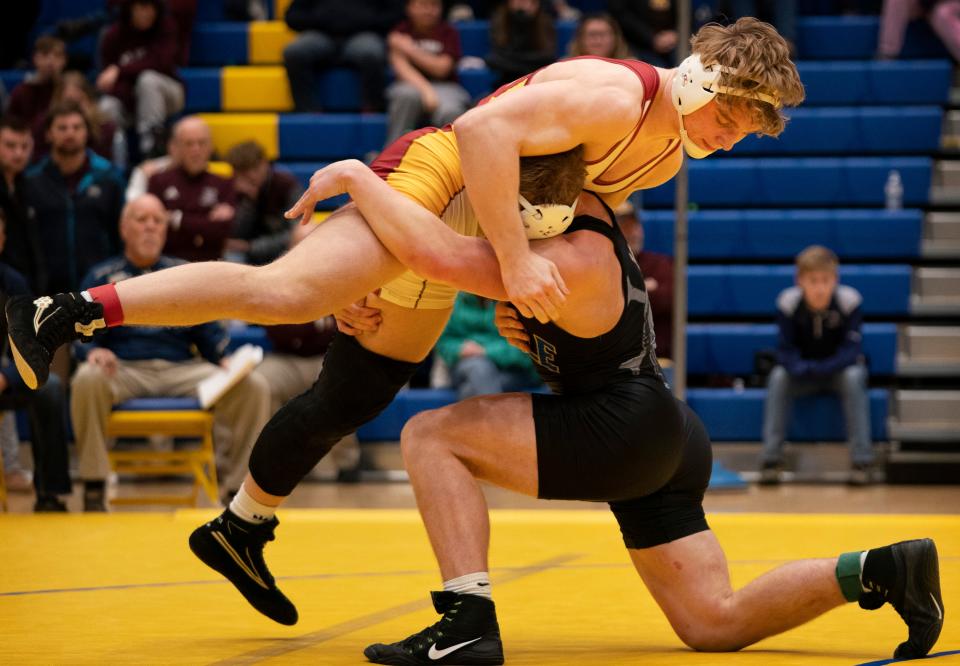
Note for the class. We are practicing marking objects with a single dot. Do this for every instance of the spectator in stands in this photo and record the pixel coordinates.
(424, 51)
(152, 361)
(139, 79)
(650, 27)
(522, 38)
(657, 277)
(294, 365)
(106, 139)
(819, 351)
(260, 233)
(51, 475)
(943, 15)
(23, 251)
(599, 34)
(201, 204)
(781, 13)
(479, 360)
(75, 197)
(335, 32)
(30, 100)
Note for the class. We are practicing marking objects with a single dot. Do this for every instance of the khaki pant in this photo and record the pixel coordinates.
(244, 410)
(288, 377)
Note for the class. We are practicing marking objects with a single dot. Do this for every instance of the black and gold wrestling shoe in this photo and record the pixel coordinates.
(38, 327)
(234, 548)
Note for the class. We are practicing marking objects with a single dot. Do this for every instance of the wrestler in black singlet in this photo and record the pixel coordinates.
(612, 431)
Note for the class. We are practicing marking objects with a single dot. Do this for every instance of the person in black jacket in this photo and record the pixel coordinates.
(75, 196)
(334, 32)
(22, 251)
(818, 351)
(45, 408)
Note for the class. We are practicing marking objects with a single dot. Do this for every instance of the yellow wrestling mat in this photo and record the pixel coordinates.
(124, 589)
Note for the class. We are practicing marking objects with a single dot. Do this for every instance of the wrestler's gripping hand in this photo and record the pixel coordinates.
(327, 182)
(358, 318)
(535, 286)
(510, 327)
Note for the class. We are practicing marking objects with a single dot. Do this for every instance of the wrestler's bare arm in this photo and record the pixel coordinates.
(422, 242)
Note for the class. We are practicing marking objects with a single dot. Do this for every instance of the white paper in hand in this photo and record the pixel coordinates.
(239, 364)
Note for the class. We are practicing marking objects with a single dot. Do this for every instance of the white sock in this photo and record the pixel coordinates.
(474, 583)
(863, 558)
(246, 508)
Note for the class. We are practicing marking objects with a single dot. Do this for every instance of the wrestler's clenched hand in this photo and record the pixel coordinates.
(534, 285)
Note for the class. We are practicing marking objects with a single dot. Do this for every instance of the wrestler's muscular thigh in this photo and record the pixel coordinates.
(405, 334)
(339, 263)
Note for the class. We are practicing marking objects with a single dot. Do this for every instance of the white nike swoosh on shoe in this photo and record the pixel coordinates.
(436, 654)
(936, 605)
(247, 567)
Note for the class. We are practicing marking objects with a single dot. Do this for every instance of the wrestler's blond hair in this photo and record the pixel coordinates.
(760, 60)
(553, 178)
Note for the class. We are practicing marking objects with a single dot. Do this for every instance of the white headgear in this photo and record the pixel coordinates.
(545, 220)
(694, 85)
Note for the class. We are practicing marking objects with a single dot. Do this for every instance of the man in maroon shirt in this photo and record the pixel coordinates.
(30, 100)
(424, 50)
(139, 79)
(658, 277)
(201, 204)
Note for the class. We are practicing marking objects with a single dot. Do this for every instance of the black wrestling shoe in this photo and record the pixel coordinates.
(38, 328)
(915, 596)
(234, 548)
(467, 633)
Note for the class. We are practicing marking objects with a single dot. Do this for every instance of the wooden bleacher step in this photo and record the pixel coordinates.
(925, 415)
(945, 189)
(941, 235)
(928, 351)
(936, 291)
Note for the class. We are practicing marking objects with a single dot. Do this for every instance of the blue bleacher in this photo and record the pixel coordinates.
(330, 136)
(782, 233)
(202, 88)
(814, 181)
(877, 82)
(852, 131)
(741, 291)
(728, 414)
(222, 43)
(729, 349)
(855, 37)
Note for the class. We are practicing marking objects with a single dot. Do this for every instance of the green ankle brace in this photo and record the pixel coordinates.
(848, 575)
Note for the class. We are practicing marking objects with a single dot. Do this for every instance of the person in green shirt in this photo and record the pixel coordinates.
(480, 361)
